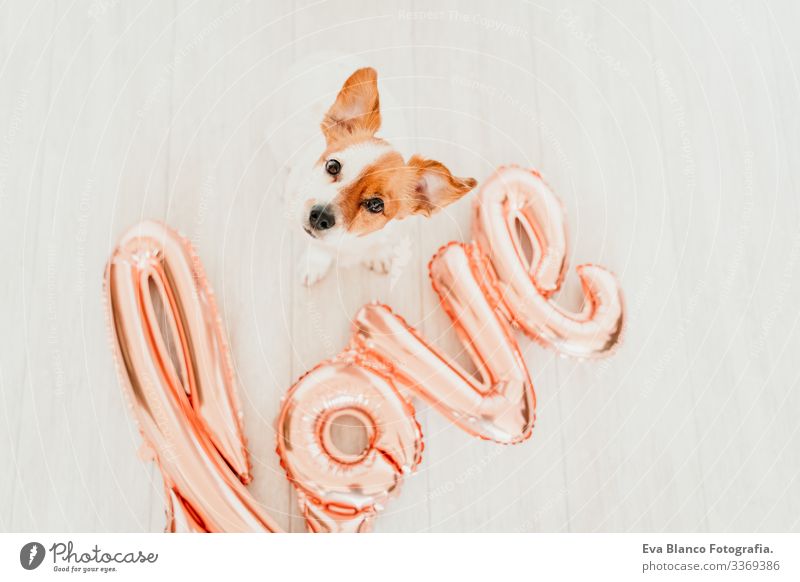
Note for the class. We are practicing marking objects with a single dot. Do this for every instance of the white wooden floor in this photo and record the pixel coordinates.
(670, 129)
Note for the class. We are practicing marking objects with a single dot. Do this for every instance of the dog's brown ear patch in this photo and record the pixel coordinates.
(435, 186)
(356, 109)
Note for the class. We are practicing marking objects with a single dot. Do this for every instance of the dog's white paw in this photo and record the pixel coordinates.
(380, 264)
(314, 266)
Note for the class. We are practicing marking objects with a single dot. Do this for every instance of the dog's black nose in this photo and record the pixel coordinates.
(321, 218)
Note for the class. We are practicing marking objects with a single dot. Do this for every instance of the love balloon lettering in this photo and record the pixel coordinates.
(175, 366)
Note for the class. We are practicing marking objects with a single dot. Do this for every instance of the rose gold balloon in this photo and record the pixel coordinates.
(341, 492)
(501, 407)
(524, 287)
(483, 287)
(188, 414)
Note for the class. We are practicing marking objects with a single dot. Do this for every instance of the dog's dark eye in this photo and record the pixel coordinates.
(333, 167)
(373, 205)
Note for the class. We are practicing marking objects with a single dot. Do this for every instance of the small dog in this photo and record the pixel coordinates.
(348, 185)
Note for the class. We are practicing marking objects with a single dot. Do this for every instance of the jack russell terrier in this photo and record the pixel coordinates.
(347, 186)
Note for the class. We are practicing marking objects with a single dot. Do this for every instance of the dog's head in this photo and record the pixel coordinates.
(360, 182)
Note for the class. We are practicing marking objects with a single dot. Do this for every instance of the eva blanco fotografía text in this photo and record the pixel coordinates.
(706, 549)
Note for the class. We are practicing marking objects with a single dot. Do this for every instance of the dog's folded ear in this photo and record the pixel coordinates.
(434, 186)
(356, 109)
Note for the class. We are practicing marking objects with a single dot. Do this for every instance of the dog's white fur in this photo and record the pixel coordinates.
(308, 92)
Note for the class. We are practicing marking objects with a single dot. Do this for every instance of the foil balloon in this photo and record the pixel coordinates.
(343, 493)
(525, 288)
(484, 287)
(179, 381)
(501, 407)
(181, 387)
(340, 491)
